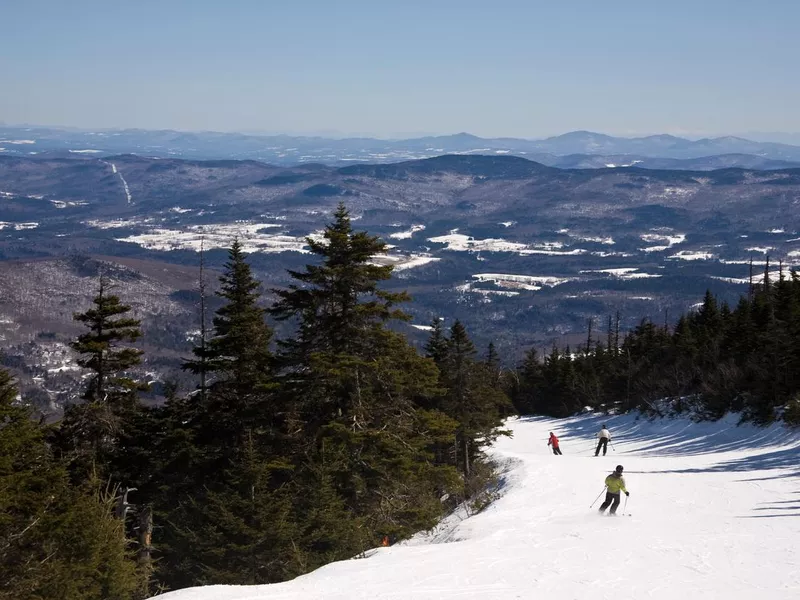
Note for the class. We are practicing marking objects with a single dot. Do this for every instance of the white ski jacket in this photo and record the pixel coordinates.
(604, 433)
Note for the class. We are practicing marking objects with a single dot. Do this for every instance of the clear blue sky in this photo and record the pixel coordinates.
(525, 68)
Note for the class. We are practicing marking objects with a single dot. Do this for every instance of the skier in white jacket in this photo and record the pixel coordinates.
(605, 437)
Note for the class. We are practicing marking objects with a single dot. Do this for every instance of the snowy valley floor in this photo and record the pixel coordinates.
(714, 514)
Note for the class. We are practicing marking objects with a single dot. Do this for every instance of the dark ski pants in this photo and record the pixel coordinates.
(613, 500)
(556, 450)
(603, 443)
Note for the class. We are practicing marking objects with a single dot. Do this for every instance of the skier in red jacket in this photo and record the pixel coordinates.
(553, 441)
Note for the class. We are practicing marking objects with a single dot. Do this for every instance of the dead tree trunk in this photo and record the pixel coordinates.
(466, 456)
(144, 555)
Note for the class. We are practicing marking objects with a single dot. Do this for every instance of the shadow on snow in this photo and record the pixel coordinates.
(660, 437)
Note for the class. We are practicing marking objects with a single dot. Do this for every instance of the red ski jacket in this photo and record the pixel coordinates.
(553, 440)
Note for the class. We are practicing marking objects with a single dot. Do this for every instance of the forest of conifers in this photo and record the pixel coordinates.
(295, 452)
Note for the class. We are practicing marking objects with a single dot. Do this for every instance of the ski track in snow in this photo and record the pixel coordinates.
(714, 513)
(122, 179)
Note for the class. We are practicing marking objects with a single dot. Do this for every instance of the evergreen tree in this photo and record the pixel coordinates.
(239, 359)
(715, 360)
(358, 391)
(341, 314)
(436, 346)
(226, 459)
(529, 380)
(90, 430)
(100, 348)
(239, 528)
(56, 540)
(200, 364)
(472, 399)
(493, 365)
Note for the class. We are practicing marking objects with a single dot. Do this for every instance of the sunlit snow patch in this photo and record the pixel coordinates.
(404, 235)
(689, 255)
(623, 273)
(605, 254)
(522, 282)
(459, 242)
(758, 278)
(116, 223)
(250, 235)
(18, 226)
(608, 240)
(67, 203)
(402, 262)
(668, 240)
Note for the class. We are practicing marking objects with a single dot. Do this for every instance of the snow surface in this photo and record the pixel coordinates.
(530, 282)
(402, 262)
(18, 226)
(458, 242)
(193, 237)
(404, 235)
(609, 241)
(67, 203)
(758, 277)
(671, 239)
(623, 273)
(689, 255)
(415, 260)
(714, 512)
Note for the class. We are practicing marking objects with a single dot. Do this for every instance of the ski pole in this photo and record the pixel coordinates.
(600, 494)
(612, 445)
(624, 508)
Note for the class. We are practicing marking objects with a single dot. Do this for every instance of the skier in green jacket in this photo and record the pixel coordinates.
(615, 483)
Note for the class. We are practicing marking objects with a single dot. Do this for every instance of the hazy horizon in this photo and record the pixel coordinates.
(788, 137)
(513, 69)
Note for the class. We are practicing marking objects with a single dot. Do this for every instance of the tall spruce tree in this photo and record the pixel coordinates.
(90, 430)
(436, 346)
(472, 398)
(492, 363)
(341, 312)
(358, 389)
(238, 359)
(527, 384)
(100, 347)
(231, 498)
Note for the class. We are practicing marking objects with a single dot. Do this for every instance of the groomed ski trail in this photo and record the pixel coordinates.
(715, 513)
(122, 179)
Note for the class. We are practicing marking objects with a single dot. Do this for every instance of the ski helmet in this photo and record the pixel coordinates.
(618, 469)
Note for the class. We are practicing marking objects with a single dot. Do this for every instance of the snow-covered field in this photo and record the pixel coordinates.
(714, 513)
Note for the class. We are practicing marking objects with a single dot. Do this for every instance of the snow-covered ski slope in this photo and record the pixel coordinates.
(714, 514)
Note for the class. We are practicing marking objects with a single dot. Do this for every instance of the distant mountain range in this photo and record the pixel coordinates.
(577, 149)
(522, 253)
